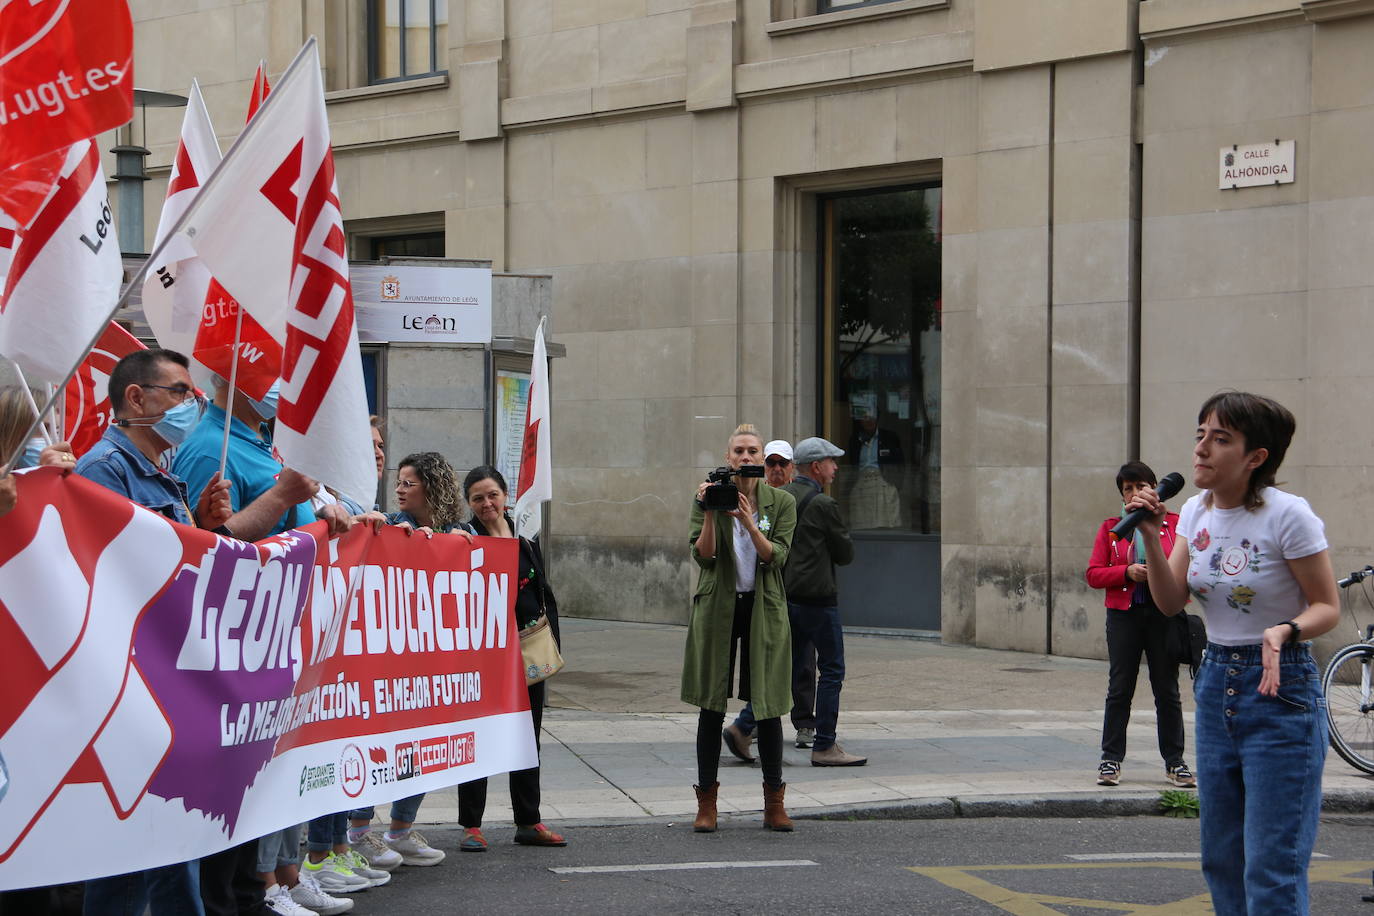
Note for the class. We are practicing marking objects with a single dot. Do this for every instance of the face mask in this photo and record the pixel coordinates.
(29, 457)
(177, 423)
(267, 407)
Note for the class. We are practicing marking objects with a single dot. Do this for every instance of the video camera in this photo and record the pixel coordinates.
(722, 495)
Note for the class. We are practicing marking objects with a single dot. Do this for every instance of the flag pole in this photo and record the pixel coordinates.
(142, 272)
(233, 389)
(33, 405)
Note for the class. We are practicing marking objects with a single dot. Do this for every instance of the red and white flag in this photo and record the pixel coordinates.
(62, 272)
(221, 335)
(175, 288)
(89, 412)
(536, 471)
(64, 77)
(267, 225)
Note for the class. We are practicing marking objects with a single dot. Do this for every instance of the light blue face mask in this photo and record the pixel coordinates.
(176, 424)
(267, 407)
(33, 449)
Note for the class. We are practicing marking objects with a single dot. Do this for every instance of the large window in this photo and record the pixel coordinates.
(406, 38)
(880, 397)
(410, 245)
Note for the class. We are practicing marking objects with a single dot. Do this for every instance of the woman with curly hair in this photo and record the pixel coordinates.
(431, 503)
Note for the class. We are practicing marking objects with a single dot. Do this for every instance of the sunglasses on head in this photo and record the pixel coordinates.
(776, 462)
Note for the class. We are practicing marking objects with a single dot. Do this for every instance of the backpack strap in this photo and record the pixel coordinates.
(806, 501)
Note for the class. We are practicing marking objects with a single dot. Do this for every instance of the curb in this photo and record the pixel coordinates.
(1122, 804)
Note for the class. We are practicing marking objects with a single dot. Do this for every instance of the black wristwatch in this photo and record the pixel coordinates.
(1296, 635)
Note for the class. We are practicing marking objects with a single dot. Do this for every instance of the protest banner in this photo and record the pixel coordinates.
(169, 692)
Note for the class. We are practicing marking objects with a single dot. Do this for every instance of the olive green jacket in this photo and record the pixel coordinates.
(706, 660)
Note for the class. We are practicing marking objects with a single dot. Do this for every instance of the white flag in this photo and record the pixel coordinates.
(268, 227)
(536, 473)
(174, 289)
(61, 272)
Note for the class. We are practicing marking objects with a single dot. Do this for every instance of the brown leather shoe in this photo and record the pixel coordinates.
(774, 816)
(706, 808)
(836, 756)
(738, 742)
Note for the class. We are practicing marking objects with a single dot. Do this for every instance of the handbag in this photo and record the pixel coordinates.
(1188, 639)
(540, 650)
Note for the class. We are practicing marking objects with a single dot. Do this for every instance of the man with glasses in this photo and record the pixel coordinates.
(155, 406)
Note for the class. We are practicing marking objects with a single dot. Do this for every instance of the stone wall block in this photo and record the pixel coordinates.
(712, 52)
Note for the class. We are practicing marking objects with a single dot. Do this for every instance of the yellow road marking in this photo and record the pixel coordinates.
(1020, 903)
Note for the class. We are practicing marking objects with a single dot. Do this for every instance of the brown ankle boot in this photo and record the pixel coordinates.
(706, 808)
(774, 816)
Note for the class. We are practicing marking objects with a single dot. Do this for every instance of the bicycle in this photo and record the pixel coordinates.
(1348, 685)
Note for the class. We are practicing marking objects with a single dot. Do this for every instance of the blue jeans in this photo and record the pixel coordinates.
(325, 832)
(403, 810)
(1259, 778)
(171, 890)
(814, 629)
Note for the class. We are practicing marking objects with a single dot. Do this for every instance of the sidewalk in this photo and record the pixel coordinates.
(949, 731)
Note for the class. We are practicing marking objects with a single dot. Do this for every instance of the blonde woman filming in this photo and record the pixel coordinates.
(739, 615)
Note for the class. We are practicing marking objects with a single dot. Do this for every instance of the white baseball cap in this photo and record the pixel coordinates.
(779, 447)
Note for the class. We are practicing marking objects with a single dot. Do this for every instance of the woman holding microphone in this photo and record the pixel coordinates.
(1255, 559)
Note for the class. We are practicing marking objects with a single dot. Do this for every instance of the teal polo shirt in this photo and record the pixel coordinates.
(250, 466)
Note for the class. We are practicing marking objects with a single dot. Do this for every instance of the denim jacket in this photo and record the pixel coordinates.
(116, 464)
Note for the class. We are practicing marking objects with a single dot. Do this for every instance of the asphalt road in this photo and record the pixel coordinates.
(968, 866)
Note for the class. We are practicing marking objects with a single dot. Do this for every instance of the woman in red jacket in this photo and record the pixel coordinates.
(1135, 625)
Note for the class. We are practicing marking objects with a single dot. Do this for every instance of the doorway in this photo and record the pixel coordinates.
(879, 399)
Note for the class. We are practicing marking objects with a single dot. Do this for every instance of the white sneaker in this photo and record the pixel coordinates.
(334, 875)
(279, 900)
(313, 899)
(358, 865)
(376, 853)
(414, 850)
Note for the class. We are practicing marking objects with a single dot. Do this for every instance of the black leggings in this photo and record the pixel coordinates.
(769, 733)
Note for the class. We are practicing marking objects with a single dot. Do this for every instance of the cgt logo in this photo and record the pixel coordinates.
(352, 771)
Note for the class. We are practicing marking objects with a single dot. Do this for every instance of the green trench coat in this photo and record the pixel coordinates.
(706, 659)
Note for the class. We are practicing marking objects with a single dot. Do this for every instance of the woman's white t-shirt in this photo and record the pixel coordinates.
(1237, 567)
(746, 556)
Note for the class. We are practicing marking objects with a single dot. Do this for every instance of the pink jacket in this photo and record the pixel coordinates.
(1107, 568)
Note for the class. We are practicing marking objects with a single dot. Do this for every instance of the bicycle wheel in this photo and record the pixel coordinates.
(1348, 684)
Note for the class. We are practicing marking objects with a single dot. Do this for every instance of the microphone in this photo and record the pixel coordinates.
(1167, 488)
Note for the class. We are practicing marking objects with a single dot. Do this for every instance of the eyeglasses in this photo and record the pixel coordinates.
(776, 462)
(407, 483)
(182, 391)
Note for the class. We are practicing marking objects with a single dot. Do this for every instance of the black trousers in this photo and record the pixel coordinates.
(1141, 629)
(803, 685)
(229, 884)
(524, 784)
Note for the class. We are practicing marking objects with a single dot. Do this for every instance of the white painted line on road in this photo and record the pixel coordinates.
(676, 866)
(1147, 856)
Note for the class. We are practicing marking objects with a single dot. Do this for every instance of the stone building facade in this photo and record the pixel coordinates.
(981, 242)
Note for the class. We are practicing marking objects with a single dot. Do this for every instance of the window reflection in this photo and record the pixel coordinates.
(407, 38)
(882, 300)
